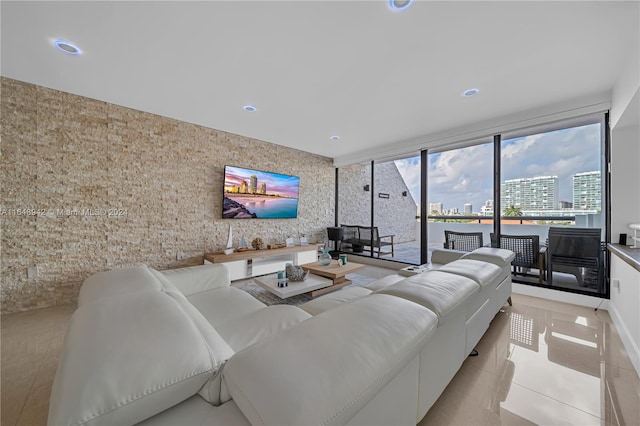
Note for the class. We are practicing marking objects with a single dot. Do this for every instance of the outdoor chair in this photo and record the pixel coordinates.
(527, 250)
(362, 236)
(577, 251)
(350, 237)
(370, 236)
(464, 241)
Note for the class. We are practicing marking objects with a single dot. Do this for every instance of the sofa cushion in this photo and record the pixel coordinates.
(481, 272)
(337, 298)
(219, 348)
(105, 375)
(384, 282)
(298, 377)
(438, 291)
(444, 256)
(117, 282)
(196, 279)
(225, 304)
(195, 411)
(497, 256)
(262, 324)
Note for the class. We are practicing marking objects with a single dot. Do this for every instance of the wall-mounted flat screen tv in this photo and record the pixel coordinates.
(254, 194)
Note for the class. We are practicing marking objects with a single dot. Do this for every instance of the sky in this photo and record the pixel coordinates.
(284, 185)
(465, 175)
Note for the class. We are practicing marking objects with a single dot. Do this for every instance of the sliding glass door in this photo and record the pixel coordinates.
(553, 188)
(540, 192)
(460, 195)
(395, 209)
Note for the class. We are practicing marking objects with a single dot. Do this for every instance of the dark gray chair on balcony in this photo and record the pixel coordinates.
(577, 251)
(464, 241)
(350, 238)
(527, 250)
(360, 237)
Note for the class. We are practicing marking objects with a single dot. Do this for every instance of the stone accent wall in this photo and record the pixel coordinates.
(354, 203)
(393, 215)
(89, 186)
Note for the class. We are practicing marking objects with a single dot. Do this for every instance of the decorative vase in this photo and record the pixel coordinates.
(325, 257)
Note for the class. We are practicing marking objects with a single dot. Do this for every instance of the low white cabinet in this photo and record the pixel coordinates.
(252, 263)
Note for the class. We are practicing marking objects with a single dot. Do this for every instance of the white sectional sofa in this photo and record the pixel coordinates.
(183, 347)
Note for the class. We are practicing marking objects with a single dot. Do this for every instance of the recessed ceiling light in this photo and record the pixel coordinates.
(470, 92)
(249, 108)
(66, 47)
(399, 5)
(335, 138)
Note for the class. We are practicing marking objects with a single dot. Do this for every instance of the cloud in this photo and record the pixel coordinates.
(460, 176)
(561, 153)
(465, 175)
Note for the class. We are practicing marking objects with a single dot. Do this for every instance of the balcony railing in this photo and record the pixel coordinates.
(489, 219)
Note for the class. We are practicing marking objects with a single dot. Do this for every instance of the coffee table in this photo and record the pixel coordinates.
(335, 272)
(313, 282)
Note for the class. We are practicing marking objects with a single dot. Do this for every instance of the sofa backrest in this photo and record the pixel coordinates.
(105, 375)
(127, 317)
(300, 375)
(117, 282)
(188, 281)
(196, 279)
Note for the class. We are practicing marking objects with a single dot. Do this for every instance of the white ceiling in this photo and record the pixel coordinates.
(317, 69)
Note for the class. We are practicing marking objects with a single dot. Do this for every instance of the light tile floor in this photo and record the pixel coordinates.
(540, 362)
(544, 363)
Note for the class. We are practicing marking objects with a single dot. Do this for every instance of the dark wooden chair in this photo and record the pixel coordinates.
(465, 241)
(527, 250)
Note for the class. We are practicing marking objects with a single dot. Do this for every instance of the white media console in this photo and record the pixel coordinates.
(252, 263)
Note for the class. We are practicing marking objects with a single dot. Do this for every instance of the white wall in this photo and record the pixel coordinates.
(624, 90)
(625, 180)
(625, 204)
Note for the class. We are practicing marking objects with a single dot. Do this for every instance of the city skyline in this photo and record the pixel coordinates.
(465, 175)
(256, 180)
(586, 195)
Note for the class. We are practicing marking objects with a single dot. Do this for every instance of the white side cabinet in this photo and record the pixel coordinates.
(252, 263)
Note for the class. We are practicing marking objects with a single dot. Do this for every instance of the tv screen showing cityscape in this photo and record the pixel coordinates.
(255, 194)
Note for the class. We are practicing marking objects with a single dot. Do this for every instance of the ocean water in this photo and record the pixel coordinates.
(276, 208)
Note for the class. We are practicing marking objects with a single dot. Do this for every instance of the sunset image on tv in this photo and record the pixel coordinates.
(256, 194)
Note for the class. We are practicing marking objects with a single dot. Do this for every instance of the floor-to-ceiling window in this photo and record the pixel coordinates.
(552, 180)
(526, 183)
(378, 209)
(395, 207)
(460, 192)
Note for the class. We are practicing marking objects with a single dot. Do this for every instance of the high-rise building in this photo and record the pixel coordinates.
(263, 188)
(435, 207)
(468, 209)
(487, 209)
(253, 184)
(243, 187)
(538, 193)
(587, 191)
(565, 204)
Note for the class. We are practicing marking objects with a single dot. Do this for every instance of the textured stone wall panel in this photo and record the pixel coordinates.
(76, 159)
